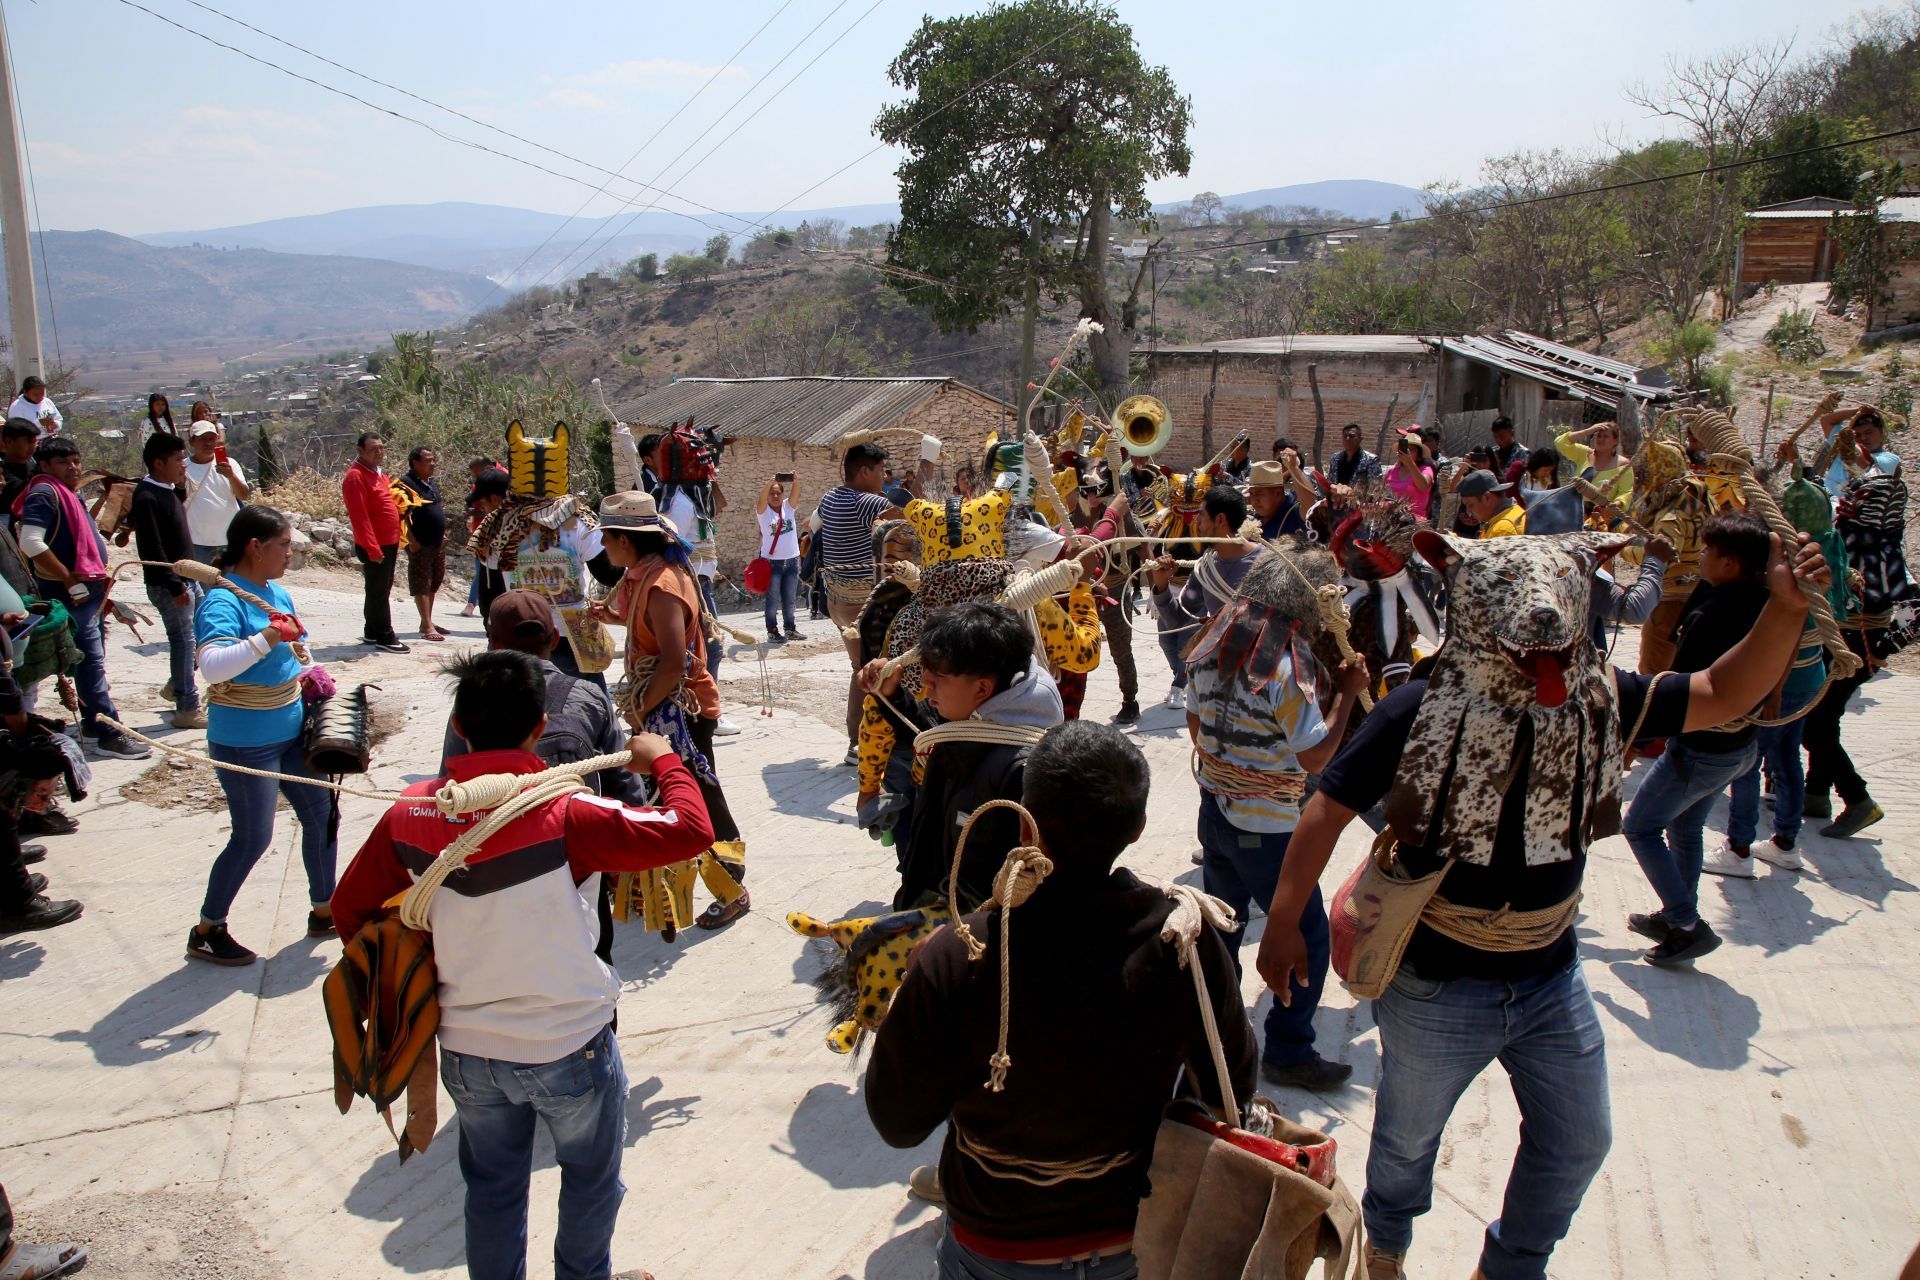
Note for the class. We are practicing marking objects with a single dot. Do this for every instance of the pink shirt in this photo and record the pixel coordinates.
(1401, 485)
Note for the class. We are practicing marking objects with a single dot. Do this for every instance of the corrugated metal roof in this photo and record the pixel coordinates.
(1806, 204)
(808, 411)
(1575, 372)
(1900, 209)
(1361, 344)
(1799, 215)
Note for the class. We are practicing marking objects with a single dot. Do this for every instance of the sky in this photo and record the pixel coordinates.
(135, 126)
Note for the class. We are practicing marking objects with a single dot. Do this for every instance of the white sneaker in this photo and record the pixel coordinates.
(1726, 861)
(1177, 697)
(724, 728)
(1785, 859)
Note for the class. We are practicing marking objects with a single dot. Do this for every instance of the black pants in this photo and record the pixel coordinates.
(16, 894)
(1119, 629)
(378, 580)
(569, 665)
(724, 827)
(1829, 767)
(6, 1223)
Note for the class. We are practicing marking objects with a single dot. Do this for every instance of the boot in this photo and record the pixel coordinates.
(1382, 1265)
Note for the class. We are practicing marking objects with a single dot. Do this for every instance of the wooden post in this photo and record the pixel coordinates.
(1319, 417)
(1206, 410)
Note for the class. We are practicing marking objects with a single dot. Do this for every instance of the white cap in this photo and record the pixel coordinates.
(204, 427)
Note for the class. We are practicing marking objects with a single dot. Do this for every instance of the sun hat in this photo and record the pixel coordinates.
(637, 511)
(1267, 475)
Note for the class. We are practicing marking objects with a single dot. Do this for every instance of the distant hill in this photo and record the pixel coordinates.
(113, 292)
(1356, 197)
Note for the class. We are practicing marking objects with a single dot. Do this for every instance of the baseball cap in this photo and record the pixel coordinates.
(520, 620)
(1475, 483)
(204, 427)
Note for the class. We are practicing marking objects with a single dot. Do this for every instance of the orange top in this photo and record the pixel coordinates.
(629, 602)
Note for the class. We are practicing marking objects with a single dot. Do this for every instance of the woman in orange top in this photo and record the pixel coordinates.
(658, 602)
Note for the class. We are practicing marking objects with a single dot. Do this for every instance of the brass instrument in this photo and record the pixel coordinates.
(1142, 425)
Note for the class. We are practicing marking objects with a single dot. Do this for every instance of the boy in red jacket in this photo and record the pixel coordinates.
(525, 1004)
(376, 538)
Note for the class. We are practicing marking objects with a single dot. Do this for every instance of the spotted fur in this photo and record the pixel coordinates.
(982, 528)
(868, 962)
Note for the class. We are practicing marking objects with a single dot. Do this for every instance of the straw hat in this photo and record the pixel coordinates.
(636, 511)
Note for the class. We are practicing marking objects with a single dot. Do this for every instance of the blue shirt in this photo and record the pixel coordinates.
(1837, 474)
(224, 618)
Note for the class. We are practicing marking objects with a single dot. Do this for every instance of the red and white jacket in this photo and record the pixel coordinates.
(514, 930)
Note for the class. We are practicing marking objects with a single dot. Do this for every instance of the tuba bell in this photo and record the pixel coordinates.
(1142, 425)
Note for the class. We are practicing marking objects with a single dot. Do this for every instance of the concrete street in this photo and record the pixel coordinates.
(180, 1116)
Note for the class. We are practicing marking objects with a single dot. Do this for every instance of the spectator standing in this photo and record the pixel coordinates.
(160, 533)
(1490, 505)
(376, 538)
(1411, 479)
(159, 419)
(18, 439)
(69, 560)
(1595, 454)
(36, 406)
(426, 539)
(1353, 464)
(489, 492)
(1869, 440)
(1506, 449)
(475, 469)
(216, 488)
(780, 544)
(847, 514)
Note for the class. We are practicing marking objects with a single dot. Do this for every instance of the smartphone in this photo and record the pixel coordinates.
(784, 477)
(220, 452)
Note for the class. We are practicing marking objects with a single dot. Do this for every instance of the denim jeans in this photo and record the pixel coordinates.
(783, 589)
(713, 647)
(957, 1262)
(1435, 1038)
(90, 673)
(1667, 819)
(582, 1098)
(1779, 750)
(250, 803)
(1241, 868)
(178, 620)
(473, 585)
(1173, 643)
(205, 554)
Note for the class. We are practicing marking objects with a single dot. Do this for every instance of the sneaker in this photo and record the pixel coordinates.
(216, 946)
(1129, 713)
(1177, 697)
(121, 747)
(794, 635)
(1199, 855)
(924, 1184)
(852, 758)
(1683, 945)
(32, 853)
(392, 644)
(41, 913)
(1381, 1265)
(1818, 806)
(319, 926)
(1853, 819)
(1652, 924)
(166, 690)
(725, 728)
(1782, 855)
(774, 637)
(1730, 860)
(51, 821)
(1315, 1073)
(196, 718)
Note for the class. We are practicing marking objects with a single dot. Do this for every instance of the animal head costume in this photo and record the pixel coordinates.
(1267, 630)
(1517, 657)
(538, 501)
(867, 965)
(1389, 604)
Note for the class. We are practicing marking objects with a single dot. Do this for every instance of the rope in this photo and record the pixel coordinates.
(1023, 593)
(986, 731)
(254, 697)
(1037, 1173)
(385, 797)
(1502, 928)
(551, 786)
(1023, 871)
(208, 576)
(1235, 782)
(1182, 929)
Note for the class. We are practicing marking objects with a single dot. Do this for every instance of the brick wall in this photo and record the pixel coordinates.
(1267, 396)
(958, 416)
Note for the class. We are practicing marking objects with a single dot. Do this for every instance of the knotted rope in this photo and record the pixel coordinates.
(1023, 871)
(1182, 929)
(208, 576)
(1339, 624)
(487, 792)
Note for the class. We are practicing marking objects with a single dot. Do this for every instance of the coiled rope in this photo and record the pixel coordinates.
(1023, 872)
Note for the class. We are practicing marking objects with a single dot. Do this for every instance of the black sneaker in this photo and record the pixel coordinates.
(794, 635)
(1682, 945)
(1853, 819)
(1818, 807)
(852, 759)
(41, 913)
(1129, 712)
(774, 637)
(1315, 1073)
(392, 644)
(121, 747)
(1652, 924)
(51, 821)
(32, 853)
(216, 946)
(319, 926)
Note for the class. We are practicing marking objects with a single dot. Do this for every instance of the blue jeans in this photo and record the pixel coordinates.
(205, 554)
(957, 1262)
(1435, 1038)
(713, 646)
(583, 1100)
(1665, 823)
(473, 585)
(783, 589)
(1779, 750)
(178, 620)
(1241, 868)
(250, 805)
(1171, 644)
(90, 673)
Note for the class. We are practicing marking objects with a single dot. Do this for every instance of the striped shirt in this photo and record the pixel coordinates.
(846, 526)
(1263, 730)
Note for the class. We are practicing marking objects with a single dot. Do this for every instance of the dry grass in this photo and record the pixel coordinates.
(310, 493)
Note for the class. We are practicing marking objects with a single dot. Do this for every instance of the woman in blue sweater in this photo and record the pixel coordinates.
(252, 662)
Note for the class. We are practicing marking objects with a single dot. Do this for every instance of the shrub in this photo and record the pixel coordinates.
(1793, 338)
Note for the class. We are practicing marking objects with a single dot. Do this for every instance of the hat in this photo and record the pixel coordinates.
(204, 427)
(1477, 482)
(634, 510)
(1267, 475)
(517, 618)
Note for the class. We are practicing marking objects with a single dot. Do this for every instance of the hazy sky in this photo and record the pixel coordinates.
(136, 126)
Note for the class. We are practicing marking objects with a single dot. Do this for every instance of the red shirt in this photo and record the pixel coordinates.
(370, 506)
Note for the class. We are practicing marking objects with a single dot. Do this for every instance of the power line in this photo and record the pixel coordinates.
(688, 172)
(1500, 206)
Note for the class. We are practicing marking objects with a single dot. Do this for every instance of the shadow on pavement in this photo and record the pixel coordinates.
(1690, 1013)
(830, 1135)
(906, 1255)
(808, 787)
(20, 957)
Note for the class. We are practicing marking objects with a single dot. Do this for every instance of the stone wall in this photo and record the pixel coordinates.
(958, 416)
(1268, 397)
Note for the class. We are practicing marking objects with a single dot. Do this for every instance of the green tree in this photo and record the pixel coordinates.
(1064, 130)
(1825, 173)
(685, 268)
(645, 267)
(718, 246)
(1207, 207)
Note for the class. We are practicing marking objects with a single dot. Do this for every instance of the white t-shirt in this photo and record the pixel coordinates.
(211, 503)
(779, 539)
(25, 408)
(696, 531)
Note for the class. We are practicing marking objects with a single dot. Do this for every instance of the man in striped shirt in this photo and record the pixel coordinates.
(847, 514)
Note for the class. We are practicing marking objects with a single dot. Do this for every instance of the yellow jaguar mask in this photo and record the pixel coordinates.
(536, 467)
(870, 965)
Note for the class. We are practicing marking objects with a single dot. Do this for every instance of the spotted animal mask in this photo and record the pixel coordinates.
(536, 466)
(868, 964)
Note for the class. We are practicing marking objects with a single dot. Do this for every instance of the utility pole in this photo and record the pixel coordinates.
(23, 307)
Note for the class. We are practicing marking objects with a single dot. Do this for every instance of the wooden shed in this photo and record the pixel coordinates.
(1790, 243)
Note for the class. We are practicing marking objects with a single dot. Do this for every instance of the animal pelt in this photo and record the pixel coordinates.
(865, 963)
(1266, 630)
(940, 585)
(877, 617)
(508, 525)
(1517, 654)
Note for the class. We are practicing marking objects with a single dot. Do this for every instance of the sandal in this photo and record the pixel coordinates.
(718, 913)
(42, 1261)
(435, 635)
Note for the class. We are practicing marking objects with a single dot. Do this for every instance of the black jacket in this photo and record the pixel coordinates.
(959, 778)
(160, 533)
